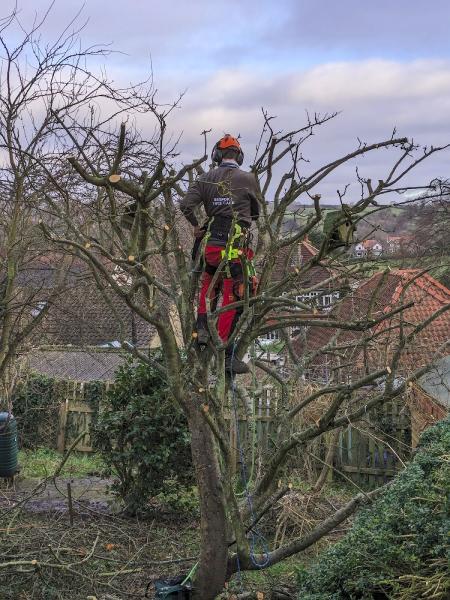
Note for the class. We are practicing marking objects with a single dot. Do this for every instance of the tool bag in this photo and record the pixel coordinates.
(173, 589)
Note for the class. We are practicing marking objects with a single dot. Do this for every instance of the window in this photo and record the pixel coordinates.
(271, 336)
(305, 298)
(319, 298)
(327, 300)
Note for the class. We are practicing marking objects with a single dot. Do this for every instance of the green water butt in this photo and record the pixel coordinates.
(8, 445)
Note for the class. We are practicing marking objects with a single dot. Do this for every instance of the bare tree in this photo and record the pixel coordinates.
(116, 208)
(40, 86)
(153, 254)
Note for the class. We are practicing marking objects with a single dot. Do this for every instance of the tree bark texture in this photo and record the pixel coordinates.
(212, 569)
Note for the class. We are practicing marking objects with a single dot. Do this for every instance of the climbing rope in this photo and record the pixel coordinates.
(256, 538)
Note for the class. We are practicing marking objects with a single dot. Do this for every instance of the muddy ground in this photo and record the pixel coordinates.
(49, 552)
(87, 493)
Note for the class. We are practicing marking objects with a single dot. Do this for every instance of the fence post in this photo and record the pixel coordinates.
(63, 409)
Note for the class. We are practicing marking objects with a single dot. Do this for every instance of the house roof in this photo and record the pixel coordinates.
(386, 290)
(292, 257)
(307, 250)
(75, 364)
(379, 295)
(81, 315)
(369, 244)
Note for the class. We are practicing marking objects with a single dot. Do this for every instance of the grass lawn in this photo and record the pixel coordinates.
(44, 461)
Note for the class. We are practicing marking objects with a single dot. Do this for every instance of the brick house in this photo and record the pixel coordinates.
(367, 249)
(379, 295)
(371, 451)
(318, 287)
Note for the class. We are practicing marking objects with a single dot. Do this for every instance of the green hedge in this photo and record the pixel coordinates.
(399, 547)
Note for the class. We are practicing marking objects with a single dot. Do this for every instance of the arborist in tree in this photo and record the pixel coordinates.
(229, 197)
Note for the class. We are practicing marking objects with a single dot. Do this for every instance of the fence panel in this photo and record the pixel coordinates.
(369, 454)
(372, 452)
(79, 419)
(75, 416)
(256, 430)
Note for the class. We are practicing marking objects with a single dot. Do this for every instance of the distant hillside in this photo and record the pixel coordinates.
(377, 222)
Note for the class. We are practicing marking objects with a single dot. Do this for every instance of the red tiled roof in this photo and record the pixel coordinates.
(307, 250)
(290, 257)
(382, 293)
(369, 244)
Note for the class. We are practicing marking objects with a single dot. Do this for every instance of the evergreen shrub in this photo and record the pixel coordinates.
(143, 436)
(398, 547)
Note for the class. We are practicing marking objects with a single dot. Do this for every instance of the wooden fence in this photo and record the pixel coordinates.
(253, 434)
(373, 451)
(75, 416)
(256, 429)
(368, 453)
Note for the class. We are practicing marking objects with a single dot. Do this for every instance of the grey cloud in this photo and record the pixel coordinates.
(289, 32)
(414, 97)
(198, 32)
(254, 55)
(360, 29)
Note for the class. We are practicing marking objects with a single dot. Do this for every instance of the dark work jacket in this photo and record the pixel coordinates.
(225, 192)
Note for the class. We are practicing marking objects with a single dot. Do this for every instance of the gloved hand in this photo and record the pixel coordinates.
(199, 232)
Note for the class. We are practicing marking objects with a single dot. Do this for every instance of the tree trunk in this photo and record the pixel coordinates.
(212, 569)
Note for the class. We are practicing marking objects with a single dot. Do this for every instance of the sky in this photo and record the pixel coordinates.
(381, 64)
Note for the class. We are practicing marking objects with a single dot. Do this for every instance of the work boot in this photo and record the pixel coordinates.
(234, 366)
(202, 330)
(202, 336)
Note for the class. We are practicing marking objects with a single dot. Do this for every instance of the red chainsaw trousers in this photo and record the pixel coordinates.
(213, 258)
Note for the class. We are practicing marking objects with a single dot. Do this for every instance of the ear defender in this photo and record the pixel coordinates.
(228, 141)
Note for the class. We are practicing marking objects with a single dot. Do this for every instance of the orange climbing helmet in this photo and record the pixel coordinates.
(228, 141)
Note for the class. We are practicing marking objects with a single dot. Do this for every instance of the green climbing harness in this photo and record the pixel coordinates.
(233, 248)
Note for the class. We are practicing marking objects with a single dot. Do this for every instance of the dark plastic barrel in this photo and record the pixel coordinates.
(9, 448)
